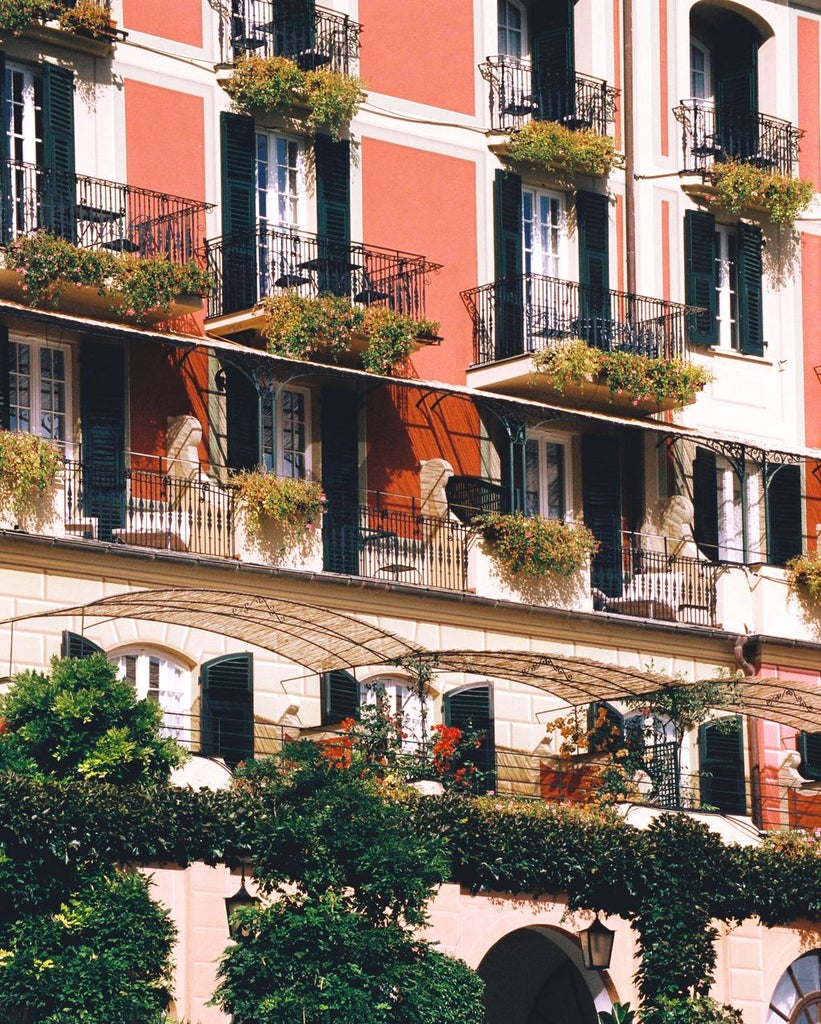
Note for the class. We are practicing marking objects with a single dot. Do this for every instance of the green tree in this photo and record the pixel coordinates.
(82, 720)
(346, 876)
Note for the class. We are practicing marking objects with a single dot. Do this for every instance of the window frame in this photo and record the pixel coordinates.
(728, 318)
(543, 440)
(504, 50)
(176, 721)
(272, 140)
(272, 449)
(696, 46)
(35, 411)
(535, 196)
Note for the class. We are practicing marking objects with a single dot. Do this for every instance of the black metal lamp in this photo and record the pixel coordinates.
(241, 898)
(597, 945)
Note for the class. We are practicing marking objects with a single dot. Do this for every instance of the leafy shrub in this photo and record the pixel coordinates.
(50, 266)
(547, 146)
(276, 84)
(574, 363)
(28, 468)
(804, 572)
(391, 337)
(690, 1010)
(88, 16)
(286, 500)
(15, 15)
(535, 546)
(739, 186)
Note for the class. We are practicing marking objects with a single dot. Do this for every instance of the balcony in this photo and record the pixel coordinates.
(97, 214)
(516, 317)
(578, 102)
(249, 267)
(709, 137)
(310, 38)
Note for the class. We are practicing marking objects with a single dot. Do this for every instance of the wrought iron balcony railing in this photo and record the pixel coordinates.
(98, 214)
(577, 101)
(251, 266)
(173, 507)
(710, 135)
(397, 545)
(646, 577)
(311, 37)
(523, 314)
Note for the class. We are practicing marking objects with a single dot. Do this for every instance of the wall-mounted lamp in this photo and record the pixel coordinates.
(597, 945)
(241, 898)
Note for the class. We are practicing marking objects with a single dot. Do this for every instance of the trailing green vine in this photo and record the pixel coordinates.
(28, 468)
(548, 146)
(740, 186)
(535, 546)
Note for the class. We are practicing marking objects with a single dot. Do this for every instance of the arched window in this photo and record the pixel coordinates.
(158, 677)
(401, 698)
(797, 996)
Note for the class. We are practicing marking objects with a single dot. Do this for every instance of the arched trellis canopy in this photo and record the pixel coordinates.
(322, 640)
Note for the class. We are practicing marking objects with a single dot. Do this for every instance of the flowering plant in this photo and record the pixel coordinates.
(536, 546)
(28, 468)
(88, 16)
(739, 186)
(547, 145)
(289, 501)
(804, 572)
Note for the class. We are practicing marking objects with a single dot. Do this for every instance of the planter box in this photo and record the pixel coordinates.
(272, 545)
(488, 579)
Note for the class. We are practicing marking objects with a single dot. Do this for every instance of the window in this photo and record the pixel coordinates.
(797, 996)
(280, 188)
(701, 84)
(726, 528)
(512, 21)
(726, 278)
(23, 126)
(38, 389)
(286, 451)
(401, 699)
(158, 678)
(545, 472)
(542, 232)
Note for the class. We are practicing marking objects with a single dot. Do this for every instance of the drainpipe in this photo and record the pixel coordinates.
(629, 148)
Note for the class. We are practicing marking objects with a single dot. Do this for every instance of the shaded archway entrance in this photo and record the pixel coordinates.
(533, 976)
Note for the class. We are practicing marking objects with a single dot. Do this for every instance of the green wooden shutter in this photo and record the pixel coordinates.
(340, 480)
(750, 311)
(239, 262)
(471, 710)
(340, 697)
(809, 745)
(700, 275)
(721, 762)
(601, 502)
(592, 219)
(705, 503)
(242, 415)
(783, 514)
(58, 193)
(736, 92)
(554, 86)
(102, 393)
(74, 645)
(509, 300)
(5, 368)
(333, 210)
(5, 170)
(227, 708)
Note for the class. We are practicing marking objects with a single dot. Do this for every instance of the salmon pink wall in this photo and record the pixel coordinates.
(159, 389)
(421, 52)
(406, 426)
(809, 155)
(425, 203)
(180, 20)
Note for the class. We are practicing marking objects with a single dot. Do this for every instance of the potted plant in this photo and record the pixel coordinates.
(28, 469)
(333, 98)
(88, 18)
(535, 546)
(804, 574)
(278, 516)
(740, 186)
(16, 15)
(548, 146)
(392, 337)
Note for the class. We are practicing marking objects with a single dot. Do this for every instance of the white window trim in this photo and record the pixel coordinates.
(696, 44)
(561, 254)
(729, 330)
(302, 212)
(29, 134)
(35, 345)
(403, 698)
(525, 31)
(542, 438)
(174, 692)
(278, 450)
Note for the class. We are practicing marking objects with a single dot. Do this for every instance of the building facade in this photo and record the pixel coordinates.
(125, 142)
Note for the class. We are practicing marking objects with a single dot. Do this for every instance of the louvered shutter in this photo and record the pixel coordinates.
(736, 92)
(242, 421)
(810, 748)
(74, 645)
(722, 767)
(700, 276)
(554, 85)
(5, 368)
(5, 170)
(750, 311)
(102, 392)
(340, 480)
(592, 209)
(509, 301)
(295, 32)
(58, 188)
(601, 500)
(333, 209)
(784, 515)
(239, 262)
(340, 697)
(471, 711)
(705, 503)
(227, 708)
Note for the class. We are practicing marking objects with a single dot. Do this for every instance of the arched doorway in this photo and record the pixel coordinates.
(534, 976)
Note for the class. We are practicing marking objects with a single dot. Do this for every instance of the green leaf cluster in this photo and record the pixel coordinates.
(88, 16)
(639, 377)
(548, 146)
(276, 85)
(535, 546)
(804, 573)
(28, 468)
(50, 266)
(16, 15)
(740, 186)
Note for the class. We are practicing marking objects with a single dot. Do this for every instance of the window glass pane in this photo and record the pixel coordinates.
(20, 387)
(294, 433)
(510, 28)
(52, 394)
(555, 480)
(532, 483)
